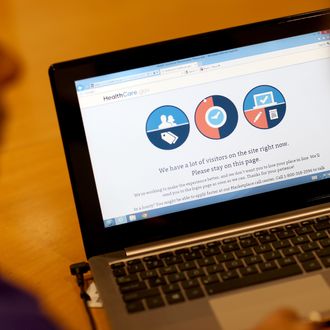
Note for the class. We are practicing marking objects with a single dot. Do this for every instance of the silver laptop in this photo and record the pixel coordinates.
(200, 169)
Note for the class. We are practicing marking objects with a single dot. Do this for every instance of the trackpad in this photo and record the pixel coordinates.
(244, 310)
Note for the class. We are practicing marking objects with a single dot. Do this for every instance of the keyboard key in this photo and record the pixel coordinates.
(195, 273)
(244, 253)
(117, 265)
(267, 266)
(263, 239)
(212, 251)
(325, 242)
(157, 281)
(176, 277)
(166, 255)
(182, 251)
(225, 257)
(192, 283)
(174, 298)
(150, 258)
(306, 256)
(134, 262)
(245, 236)
(300, 240)
(304, 230)
(155, 302)
(322, 218)
(253, 260)
(286, 234)
(210, 279)
(168, 270)
(281, 244)
(194, 293)
(138, 295)
(232, 274)
(198, 247)
(117, 272)
(261, 232)
(135, 268)
(250, 270)
(276, 229)
(213, 244)
(311, 265)
(263, 248)
(206, 262)
(318, 235)
(272, 255)
(234, 264)
(131, 287)
(248, 242)
(311, 246)
(292, 226)
(324, 253)
(169, 288)
(307, 222)
(290, 251)
(230, 247)
(326, 261)
(152, 264)
(149, 274)
(127, 279)
(230, 240)
(172, 260)
(322, 224)
(135, 306)
(217, 268)
(287, 261)
(187, 265)
(253, 279)
(192, 255)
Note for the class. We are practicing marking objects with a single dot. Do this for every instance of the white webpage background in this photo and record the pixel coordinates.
(125, 162)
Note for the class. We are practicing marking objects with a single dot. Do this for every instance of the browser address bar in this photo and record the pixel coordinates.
(163, 83)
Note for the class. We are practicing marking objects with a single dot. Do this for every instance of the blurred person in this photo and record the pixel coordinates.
(20, 310)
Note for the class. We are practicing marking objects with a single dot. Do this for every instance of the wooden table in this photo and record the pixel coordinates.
(40, 236)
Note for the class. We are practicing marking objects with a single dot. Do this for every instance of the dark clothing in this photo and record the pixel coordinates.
(19, 310)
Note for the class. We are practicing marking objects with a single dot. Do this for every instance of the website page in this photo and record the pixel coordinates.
(208, 129)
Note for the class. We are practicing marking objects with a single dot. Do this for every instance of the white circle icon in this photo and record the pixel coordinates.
(215, 116)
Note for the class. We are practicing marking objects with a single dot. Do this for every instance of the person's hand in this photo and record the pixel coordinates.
(285, 319)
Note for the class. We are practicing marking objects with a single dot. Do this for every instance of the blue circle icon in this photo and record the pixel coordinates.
(167, 127)
(264, 107)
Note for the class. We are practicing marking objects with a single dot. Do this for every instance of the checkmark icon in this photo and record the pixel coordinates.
(216, 116)
(263, 101)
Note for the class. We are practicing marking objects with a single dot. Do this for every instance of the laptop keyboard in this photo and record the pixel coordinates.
(222, 265)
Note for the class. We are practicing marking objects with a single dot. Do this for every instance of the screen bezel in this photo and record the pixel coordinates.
(98, 239)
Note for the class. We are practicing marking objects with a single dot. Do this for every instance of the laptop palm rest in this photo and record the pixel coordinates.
(244, 310)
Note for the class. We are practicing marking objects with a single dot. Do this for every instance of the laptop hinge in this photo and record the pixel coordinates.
(224, 232)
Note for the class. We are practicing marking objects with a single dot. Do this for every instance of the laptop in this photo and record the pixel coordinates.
(200, 169)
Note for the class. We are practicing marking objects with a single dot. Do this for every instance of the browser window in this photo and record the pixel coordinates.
(208, 129)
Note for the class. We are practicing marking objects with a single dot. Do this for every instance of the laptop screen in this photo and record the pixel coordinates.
(207, 129)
